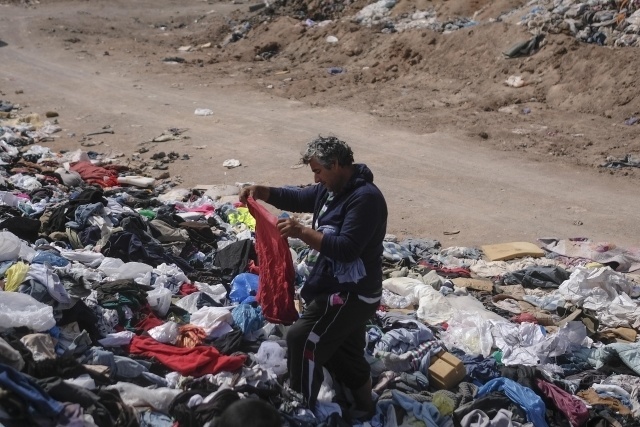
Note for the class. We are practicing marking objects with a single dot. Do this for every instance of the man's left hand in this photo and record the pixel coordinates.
(290, 227)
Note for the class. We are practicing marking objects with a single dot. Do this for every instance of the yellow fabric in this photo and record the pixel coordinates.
(242, 215)
(15, 275)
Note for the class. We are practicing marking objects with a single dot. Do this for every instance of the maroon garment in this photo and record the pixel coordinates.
(188, 289)
(573, 408)
(92, 174)
(195, 361)
(277, 276)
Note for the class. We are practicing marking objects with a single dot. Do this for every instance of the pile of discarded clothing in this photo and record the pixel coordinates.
(599, 22)
(128, 304)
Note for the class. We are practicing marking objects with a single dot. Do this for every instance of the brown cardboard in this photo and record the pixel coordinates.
(446, 371)
(507, 251)
(476, 284)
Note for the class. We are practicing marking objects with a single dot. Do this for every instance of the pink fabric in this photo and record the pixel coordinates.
(277, 276)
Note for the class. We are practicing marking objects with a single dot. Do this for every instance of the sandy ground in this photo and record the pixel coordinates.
(412, 105)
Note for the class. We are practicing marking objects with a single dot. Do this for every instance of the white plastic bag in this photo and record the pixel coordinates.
(159, 299)
(403, 286)
(167, 333)
(18, 309)
(110, 266)
(133, 270)
(271, 356)
(133, 395)
(470, 333)
(189, 302)
(9, 246)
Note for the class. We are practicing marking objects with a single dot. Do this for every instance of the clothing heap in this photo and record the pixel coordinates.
(601, 22)
(127, 306)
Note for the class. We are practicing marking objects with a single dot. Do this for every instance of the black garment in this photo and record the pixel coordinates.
(490, 404)
(17, 409)
(587, 378)
(111, 292)
(232, 259)
(199, 232)
(86, 318)
(90, 235)
(523, 375)
(203, 413)
(133, 223)
(537, 277)
(122, 415)
(65, 392)
(56, 220)
(229, 343)
(24, 228)
(128, 247)
(331, 333)
(66, 368)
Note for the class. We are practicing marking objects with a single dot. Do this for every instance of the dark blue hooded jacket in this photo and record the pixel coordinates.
(359, 215)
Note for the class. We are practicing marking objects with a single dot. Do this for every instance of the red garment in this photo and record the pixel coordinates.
(253, 268)
(277, 276)
(92, 174)
(573, 408)
(148, 319)
(188, 289)
(196, 361)
(525, 318)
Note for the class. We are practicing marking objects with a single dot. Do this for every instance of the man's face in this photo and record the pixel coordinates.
(327, 177)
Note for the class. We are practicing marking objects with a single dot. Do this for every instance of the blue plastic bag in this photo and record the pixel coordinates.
(243, 286)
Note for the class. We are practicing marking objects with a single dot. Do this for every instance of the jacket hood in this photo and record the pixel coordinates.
(361, 176)
(363, 173)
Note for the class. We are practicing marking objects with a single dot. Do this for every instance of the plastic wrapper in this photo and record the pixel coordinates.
(271, 356)
(159, 398)
(10, 246)
(18, 309)
(166, 333)
(159, 300)
(243, 286)
(391, 300)
(470, 333)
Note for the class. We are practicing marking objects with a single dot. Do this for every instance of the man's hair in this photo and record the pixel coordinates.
(326, 150)
(250, 412)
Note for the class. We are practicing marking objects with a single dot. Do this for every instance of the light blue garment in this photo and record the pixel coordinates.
(83, 213)
(598, 357)
(345, 272)
(51, 258)
(524, 397)
(4, 266)
(121, 367)
(394, 252)
(248, 318)
(425, 412)
(154, 419)
(401, 340)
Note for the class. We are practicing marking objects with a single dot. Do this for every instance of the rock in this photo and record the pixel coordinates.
(162, 175)
(51, 114)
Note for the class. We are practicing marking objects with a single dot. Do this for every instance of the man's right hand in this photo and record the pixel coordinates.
(258, 192)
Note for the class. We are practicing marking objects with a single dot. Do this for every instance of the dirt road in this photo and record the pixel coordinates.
(434, 183)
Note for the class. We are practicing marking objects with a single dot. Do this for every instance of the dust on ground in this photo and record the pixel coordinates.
(571, 110)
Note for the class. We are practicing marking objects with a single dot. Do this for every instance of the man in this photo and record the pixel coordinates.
(344, 286)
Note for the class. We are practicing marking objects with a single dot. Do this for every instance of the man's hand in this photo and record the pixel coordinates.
(258, 192)
(290, 227)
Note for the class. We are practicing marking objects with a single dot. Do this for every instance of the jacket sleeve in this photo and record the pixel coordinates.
(364, 213)
(294, 199)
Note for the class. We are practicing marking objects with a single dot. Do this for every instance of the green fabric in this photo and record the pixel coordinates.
(147, 213)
